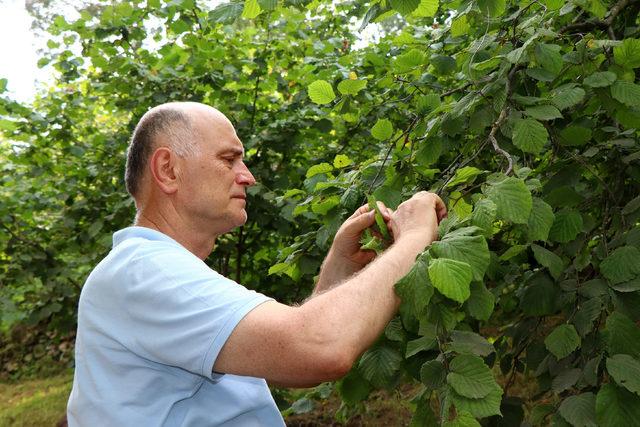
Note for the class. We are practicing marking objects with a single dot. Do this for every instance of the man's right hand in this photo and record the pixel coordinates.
(416, 220)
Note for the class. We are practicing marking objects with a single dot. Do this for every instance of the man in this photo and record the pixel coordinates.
(164, 340)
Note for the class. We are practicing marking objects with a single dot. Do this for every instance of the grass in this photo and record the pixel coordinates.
(35, 403)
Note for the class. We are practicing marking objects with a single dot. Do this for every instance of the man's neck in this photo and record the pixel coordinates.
(195, 241)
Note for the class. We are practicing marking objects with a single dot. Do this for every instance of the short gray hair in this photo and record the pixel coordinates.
(169, 121)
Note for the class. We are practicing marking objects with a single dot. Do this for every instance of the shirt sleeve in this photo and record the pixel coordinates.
(180, 311)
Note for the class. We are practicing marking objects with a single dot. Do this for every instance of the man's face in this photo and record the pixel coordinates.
(214, 180)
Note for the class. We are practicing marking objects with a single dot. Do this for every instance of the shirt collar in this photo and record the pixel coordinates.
(143, 233)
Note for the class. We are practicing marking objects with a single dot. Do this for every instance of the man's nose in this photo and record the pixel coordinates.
(244, 176)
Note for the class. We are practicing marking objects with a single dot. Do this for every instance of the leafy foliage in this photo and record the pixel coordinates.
(523, 116)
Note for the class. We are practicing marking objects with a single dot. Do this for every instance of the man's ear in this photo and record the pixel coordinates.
(163, 170)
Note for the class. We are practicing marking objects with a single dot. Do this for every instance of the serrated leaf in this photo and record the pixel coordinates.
(321, 92)
(351, 87)
(319, 168)
(630, 286)
(481, 302)
(466, 342)
(459, 26)
(513, 199)
(484, 213)
(492, 8)
(574, 135)
(379, 365)
(562, 341)
(426, 8)
(548, 57)
(353, 388)
(420, 344)
(600, 79)
(587, 312)
(548, 259)
(470, 377)
(540, 220)
(540, 298)
(251, 9)
(451, 278)
(414, 288)
(621, 265)
(409, 60)
(566, 226)
(622, 335)
(616, 407)
(472, 250)
(626, 92)
(383, 129)
(479, 408)
(579, 410)
(405, 7)
(626, 371)
(341, 161)
(462, 419)
(567, 96)
(463, 175)
(433, 374)
(226, 13)
(529, 135)
(543, 112)
(565, 380)
(628, 53)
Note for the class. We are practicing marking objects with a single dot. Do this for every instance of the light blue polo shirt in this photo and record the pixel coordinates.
(151, 322)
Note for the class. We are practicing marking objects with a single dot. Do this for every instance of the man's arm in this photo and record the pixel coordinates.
(320, 340)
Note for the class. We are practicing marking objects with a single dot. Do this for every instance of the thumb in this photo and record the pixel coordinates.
(360, 223)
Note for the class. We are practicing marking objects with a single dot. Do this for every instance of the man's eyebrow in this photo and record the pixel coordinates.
(236, 151)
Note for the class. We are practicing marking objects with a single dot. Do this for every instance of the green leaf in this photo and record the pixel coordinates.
(481, 302)
(622, 335)
(479, 408)
(543, 112)
(621, 265)
(466, 342)
(405, 7)
(630, 286)
(470, 377)
(420, 344)
(319, 168)
(567, 96)
(600, 79)
(562, 341)
(616, 407)
(451, 278)
(574, 135)
(321, 92)
(540, 220)
(566, 226)
(351, 87)
(459, 26)
(251, 9)
(409, 60)
(472, 250)
(626, 92)
(628, 53)
(540, 298)
(414, 288)
(426, 8)
(565, 380)
(353, 388)
(493, 8)
(548, 259)
(463, 175)
(626, 371)
(379, 365)
(433, 374)
(548, 57)
(579, 410)
(383, 129)
(483, 216)
(341, 161)
(529, 135)
(513, 199)
(587, 312)
(462, 419)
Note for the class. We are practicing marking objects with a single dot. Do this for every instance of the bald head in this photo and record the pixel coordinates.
(173, 125)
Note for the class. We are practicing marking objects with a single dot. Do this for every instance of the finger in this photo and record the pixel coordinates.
(385, 211)
(361, 210)
(355, 225)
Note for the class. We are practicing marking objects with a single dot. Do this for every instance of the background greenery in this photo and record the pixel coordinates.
(522, 115)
